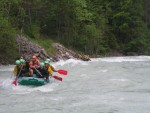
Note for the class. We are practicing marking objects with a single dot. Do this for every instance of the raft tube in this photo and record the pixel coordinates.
(32, 81)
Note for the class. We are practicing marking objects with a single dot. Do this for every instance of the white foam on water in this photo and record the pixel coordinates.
(145, 57)
(45, 88)
(83, 75)
(6, 84)
(19, 89)
(88, 89)
(29, 89)
(121, 80)
(71, 62)
(104, 71)
(123, 59)
(6, 68)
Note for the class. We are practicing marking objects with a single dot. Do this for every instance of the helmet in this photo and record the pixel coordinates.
(46, 62)
(17, 62)
(22, 61)
(34, 57)
(42, 64)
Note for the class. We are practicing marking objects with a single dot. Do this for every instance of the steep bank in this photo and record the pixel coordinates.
(27, 48)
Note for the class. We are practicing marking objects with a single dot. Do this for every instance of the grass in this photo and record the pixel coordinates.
(46, 43)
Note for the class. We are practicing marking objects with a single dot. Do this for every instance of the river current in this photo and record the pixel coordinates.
(103, 85)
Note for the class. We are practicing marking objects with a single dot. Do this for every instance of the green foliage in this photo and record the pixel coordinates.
(33, 31)
(47, 44)
(8, 47)
(90, 26)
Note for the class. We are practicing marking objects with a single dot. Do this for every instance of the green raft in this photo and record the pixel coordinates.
(32, 81)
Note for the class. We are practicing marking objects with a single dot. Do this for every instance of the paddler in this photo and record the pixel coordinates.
(50, 68)
(25, 68)
(43, 72)
(34, 63)
(17, 68)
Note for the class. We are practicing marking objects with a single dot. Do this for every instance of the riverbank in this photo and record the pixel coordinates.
(48, 49)
(27, 48)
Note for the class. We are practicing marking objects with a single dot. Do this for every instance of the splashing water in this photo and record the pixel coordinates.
(103, 85)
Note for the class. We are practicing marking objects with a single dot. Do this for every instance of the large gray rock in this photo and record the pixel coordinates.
(28, 48)
(63, 53)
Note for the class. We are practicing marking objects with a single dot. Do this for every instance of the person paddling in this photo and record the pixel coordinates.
(49, 67)
(25, 68)
(43, 72)
(34, 63)
(17, 68)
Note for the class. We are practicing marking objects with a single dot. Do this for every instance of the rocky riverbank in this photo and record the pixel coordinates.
(28, 48)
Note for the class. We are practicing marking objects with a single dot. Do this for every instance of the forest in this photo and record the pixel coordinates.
(94, 27)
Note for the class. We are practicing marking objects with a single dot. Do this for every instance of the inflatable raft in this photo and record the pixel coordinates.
(32, 81)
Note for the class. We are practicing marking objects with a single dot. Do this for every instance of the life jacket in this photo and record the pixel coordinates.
(17, 70)
(25, 70)
(34, 63)
(44, 72)
(49, 69)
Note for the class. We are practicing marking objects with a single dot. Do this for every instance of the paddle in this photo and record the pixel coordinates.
(38, 72)
(63, 72)
(56, 77)
(15, 81)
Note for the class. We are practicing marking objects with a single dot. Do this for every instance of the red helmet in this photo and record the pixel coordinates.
(34, 57)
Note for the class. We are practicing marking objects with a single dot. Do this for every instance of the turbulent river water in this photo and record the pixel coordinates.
(103, 85)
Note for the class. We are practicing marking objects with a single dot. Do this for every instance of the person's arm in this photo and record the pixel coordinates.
(38, 63)
(31, 65)
(53, 69)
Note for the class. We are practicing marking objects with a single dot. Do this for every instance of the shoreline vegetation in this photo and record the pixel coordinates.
(27, 47)
(96, 28)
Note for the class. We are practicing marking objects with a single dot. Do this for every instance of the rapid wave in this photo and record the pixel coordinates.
(71, 62)
(29, 89)
(123, 59)
(6, 84)
(6, 68)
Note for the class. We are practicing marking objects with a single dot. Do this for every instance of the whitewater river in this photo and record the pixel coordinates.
(103, 85)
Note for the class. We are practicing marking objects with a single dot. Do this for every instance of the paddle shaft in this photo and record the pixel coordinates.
(15, 81)
(56, 77)
(38, 72)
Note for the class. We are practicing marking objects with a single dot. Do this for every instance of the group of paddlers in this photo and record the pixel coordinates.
(34, 67)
